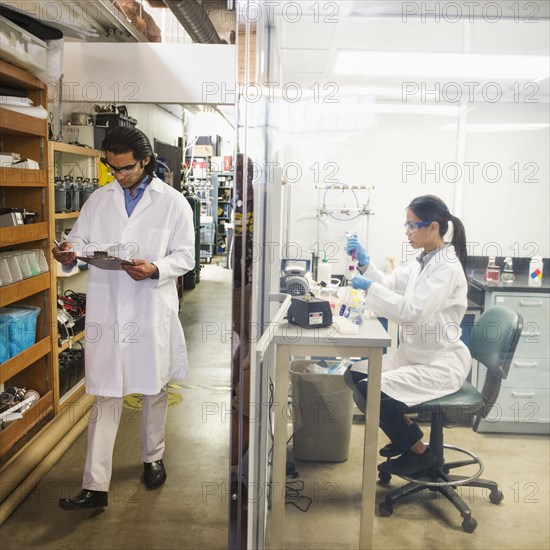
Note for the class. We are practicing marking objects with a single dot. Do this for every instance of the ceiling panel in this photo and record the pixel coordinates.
(308, 61)
(389, 33)
(316, 35)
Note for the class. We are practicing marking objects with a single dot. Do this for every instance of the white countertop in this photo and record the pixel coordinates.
(371, 334)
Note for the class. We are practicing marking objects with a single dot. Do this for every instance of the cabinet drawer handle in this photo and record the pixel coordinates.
(527, 333)
(523, 394)
(525, 364)
(530, 303)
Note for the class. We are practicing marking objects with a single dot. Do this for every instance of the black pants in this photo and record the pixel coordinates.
(391, 410)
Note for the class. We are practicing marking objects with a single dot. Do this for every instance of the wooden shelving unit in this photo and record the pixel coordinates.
(76, 338)
(23, 234)
(62, 156)
(24, 188)
(66, 215)
(23, 289)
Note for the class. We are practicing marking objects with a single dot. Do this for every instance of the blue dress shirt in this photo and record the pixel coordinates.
(131, 202)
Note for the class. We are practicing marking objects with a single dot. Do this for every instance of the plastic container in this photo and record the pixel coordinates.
(508, 276)
(18, 328)
(324, 272)
(492, 273)
(14, 268)
(5, 273)
(21, 47)
(322, 414)
(20, 264)
(535, 271)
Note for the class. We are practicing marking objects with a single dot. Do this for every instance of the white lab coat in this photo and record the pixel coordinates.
(134, 338)
(431, 360)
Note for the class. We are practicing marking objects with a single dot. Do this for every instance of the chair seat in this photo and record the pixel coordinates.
(466, 397)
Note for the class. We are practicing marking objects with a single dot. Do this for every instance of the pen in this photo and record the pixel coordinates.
(58, 244)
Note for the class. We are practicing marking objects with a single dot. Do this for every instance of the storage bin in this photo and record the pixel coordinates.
(208, 233)
(20, 47)
(20, 264)
(71, 369)
(18, 329)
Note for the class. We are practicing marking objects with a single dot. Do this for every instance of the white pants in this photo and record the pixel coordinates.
(102, 429)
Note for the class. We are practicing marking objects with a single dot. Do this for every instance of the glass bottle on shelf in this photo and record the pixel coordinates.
(492, 273)
(508, 272)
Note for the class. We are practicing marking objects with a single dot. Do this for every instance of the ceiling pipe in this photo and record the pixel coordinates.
(195, 21)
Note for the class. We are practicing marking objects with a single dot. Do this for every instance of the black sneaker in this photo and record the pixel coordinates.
(409, 463)
(397, 448)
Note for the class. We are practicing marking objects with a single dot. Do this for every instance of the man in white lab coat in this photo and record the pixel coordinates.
(134, 338)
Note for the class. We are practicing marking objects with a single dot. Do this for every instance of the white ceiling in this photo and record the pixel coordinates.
(309, 44)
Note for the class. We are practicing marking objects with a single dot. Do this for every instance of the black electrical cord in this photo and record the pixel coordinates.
(294, 496)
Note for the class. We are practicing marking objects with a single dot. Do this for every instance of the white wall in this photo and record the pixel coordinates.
(149, 73)
(502, 216)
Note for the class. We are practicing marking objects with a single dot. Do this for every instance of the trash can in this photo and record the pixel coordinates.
(322, 410)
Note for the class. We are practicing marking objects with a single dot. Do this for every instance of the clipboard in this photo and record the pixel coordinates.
(111, 263)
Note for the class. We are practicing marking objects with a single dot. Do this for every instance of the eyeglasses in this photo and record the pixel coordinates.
(414, 226)
(124, 170)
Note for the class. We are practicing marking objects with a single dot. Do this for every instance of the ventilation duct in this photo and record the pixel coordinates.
(195, 20)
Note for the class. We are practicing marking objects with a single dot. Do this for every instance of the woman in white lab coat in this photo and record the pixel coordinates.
(427, 299)
(134, 338)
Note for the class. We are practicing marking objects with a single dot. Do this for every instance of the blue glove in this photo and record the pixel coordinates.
(354, 246)
(360, 282)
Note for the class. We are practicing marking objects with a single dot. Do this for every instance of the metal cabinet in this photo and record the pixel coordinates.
(523, 405)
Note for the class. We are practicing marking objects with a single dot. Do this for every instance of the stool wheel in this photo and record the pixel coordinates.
(469, 525)
(495, 497)
(385, 510)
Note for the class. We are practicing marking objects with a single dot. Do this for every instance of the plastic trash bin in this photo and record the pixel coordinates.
(322, 410)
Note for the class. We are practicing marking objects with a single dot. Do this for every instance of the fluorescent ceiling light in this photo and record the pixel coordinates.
(440, 64)
(482, 128)
(409, 109)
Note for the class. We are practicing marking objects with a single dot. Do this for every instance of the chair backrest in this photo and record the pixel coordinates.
(493, 342)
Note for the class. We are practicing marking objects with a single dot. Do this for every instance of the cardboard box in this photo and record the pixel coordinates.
(203, 151)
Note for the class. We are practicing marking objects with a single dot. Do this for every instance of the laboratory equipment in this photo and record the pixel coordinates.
(309, 312)
(492, 273)
(508, 276)
(293, 280)
(77, 194)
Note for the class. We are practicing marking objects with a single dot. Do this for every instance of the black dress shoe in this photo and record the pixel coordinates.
(154, 473)
(409, 463)
(85, 500)
(396, 448)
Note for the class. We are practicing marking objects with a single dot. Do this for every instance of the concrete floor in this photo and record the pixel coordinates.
(191, 509)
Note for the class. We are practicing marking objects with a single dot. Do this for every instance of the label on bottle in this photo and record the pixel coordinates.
(535, 272)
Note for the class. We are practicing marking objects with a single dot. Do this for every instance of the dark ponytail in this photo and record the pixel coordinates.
(432, 208)
(459, 241)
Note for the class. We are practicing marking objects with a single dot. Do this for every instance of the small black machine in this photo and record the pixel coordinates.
(309, 312)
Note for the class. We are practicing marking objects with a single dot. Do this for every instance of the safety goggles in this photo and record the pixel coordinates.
(411, 227)
(124, 170)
